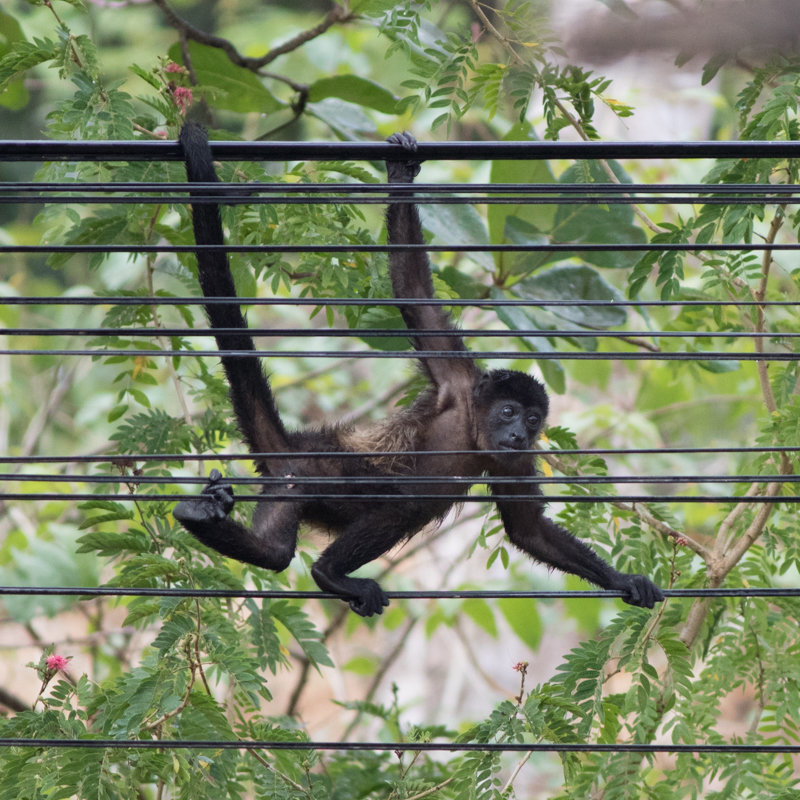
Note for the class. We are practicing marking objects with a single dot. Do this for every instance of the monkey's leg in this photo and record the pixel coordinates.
(271, 542)
(363, 541)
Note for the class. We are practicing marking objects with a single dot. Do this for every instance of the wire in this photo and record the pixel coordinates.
(385, 301)
(451, 747)
(394, 497)
(147, 150)
(222, 190)
(278, 333)
(514, 355)
(449, 594)
(400, 480)
(357, 247)
(235, 200)
(350, 198)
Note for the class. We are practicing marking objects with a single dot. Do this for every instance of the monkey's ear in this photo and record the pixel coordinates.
(482, 385)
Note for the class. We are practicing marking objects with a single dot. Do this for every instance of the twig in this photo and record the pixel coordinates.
(335, 15)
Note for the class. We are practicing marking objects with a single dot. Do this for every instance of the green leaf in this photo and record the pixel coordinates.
(462, 284)
(480, 612)
(225, 84)
(305, 634)
(362, 665)
(576, 282)
(384, 317)
(538, 217)
(14, 95)
(598, 224)
(518, 318)
(354, 89)
(458, 224)
(347, 120)
(523, 617)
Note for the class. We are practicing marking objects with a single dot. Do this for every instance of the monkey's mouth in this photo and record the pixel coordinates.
(512, 446)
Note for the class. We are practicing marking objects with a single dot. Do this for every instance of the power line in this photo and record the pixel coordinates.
(376, 497)
(145, 300)
(449, 594)
(451, 747)
(147, 150)
(514, 355)
(278, 333)
(357, 247)
(401, 480)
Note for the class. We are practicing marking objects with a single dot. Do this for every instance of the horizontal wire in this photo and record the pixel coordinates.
(427, 594)
(225, 188)
(382, 301)
(352, 199)
(400, 480)
(358, 247)
(405, 496)
(556, 355)
(392, 333)
(129, 458)
(451, 747)
(148, 150)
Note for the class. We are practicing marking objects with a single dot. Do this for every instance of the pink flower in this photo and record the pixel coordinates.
(183, 98)
(173, 67)
(56, 663)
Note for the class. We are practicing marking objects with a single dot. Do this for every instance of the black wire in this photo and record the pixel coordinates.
(147, 150)
(395, 497)
(451, 747)
(227, 189)
(514, 355)
(356, 199)
(383, 301)
(357, 247)
(400, 480)
(428, 594)
(394, 332)
(239, 199)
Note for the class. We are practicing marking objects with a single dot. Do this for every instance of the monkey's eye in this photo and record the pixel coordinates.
(534, 420)
(507, 411)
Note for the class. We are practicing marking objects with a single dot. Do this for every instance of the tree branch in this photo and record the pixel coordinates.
(188, 31)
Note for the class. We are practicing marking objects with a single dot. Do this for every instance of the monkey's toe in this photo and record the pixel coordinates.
(641, 591)
(405, 139)
(372, 600)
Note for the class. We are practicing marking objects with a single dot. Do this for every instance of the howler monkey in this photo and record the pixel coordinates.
(463, 408)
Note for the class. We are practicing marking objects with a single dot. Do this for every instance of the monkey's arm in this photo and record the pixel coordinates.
(411, 276)
(534, 533)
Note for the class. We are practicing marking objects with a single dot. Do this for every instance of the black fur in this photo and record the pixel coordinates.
(464, 408)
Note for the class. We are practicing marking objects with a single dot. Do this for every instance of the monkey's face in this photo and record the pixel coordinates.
(512, 426)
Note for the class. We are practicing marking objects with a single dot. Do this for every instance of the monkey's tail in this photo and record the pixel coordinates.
(252, 397)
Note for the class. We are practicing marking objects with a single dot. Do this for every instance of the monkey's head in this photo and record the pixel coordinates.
(511, 408)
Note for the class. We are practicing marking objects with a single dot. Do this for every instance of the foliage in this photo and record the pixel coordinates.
(172, 667)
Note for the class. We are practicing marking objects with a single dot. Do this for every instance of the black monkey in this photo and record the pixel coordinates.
(463, 408)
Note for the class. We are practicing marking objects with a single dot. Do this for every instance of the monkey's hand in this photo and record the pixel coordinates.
(637, 590)
(403, 171)
(370, 598)
(214, 504)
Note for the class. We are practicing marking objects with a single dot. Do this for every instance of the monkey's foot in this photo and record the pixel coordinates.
(403, 171)
(637, 590)
(369, 597)
(214, 504)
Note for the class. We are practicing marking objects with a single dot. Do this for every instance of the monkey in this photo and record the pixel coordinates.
(495, 415)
